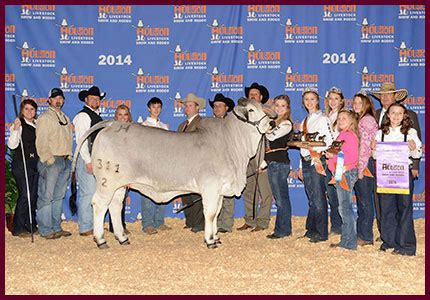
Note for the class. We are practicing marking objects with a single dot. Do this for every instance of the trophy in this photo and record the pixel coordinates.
(335, 147)
(310, 140)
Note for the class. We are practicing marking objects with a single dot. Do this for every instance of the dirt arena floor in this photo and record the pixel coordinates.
(178, 262)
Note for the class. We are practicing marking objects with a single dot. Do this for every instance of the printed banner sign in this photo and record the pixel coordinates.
(392, 168)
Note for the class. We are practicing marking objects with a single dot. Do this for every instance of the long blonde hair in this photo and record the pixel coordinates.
(287, 115)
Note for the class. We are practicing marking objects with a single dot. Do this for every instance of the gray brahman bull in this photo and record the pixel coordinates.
(211, 161)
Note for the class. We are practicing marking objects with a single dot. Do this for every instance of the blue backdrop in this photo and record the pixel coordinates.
(136, 52)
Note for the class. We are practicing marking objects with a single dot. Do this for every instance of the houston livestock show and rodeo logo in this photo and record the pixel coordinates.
(410, 57)
(150, 36)
(339, 13)
(185, 60)
(261, 59)
(189, 13)
(114, 13)
(222, 82)
(297, 81)
(37, 58)
(71, 34)
(373, 81)
(38, 12)
(225, 34)
(70, 82)
(376, 33)
(299, 34)
(412, 12)
(148, 83)
(263, 13)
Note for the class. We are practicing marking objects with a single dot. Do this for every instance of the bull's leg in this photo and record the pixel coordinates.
(115, 208)
(210, 200)
(100, 204)
(215, 221)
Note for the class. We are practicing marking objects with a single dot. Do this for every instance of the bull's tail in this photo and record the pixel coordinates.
(72, 198)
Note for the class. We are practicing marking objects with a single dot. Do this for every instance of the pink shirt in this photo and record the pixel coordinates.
(349, 148)
(367, 128)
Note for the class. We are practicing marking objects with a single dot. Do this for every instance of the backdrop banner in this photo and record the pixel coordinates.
(136, 52)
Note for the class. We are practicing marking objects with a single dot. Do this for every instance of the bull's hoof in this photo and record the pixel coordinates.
(211, 246)
(126, 242)
(218, 241)
(103, 245)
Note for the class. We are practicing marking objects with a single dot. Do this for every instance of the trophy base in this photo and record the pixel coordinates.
(303, 144)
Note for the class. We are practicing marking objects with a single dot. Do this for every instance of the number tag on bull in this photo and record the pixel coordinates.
(339, 166)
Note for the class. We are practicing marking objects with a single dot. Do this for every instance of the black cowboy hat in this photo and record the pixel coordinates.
(92, 91)
(263, 91)
(221, 98)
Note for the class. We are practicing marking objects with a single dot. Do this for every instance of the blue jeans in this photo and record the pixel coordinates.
(278, 177)
(397, 223)
(336, 221)
(152, 213)
(52, 187)
(348, 237)
(87, 188)
(317, 219)
(365, 194)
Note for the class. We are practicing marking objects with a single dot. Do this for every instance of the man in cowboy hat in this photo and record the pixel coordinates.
(258, 220)
(86, 118)
(387, 95)
(54, 141)
(194, 217)
(257, 92)
(221, 105)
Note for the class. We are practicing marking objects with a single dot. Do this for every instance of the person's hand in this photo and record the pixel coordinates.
(16, 124)
(415, 173)
(412, 145)
(300, 174)
(360, 175)
(89, 168)
(373, 145)
(260, 170)
(329, 155)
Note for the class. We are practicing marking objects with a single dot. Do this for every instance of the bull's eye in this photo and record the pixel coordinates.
(251, 110)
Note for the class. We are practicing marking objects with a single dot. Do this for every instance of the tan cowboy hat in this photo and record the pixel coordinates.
(193, 98)
(390, 87)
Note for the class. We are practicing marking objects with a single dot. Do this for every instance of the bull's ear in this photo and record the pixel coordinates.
(270, 113)
(242, 101)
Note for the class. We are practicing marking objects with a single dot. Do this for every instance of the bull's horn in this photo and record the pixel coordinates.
(242, 101)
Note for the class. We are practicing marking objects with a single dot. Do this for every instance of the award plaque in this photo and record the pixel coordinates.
(310, 140)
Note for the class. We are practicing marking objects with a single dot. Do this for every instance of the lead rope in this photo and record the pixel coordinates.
(256, 177)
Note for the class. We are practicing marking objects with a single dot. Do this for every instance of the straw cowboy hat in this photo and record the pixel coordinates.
(390, 87)
(193, 98)
(221, 98)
